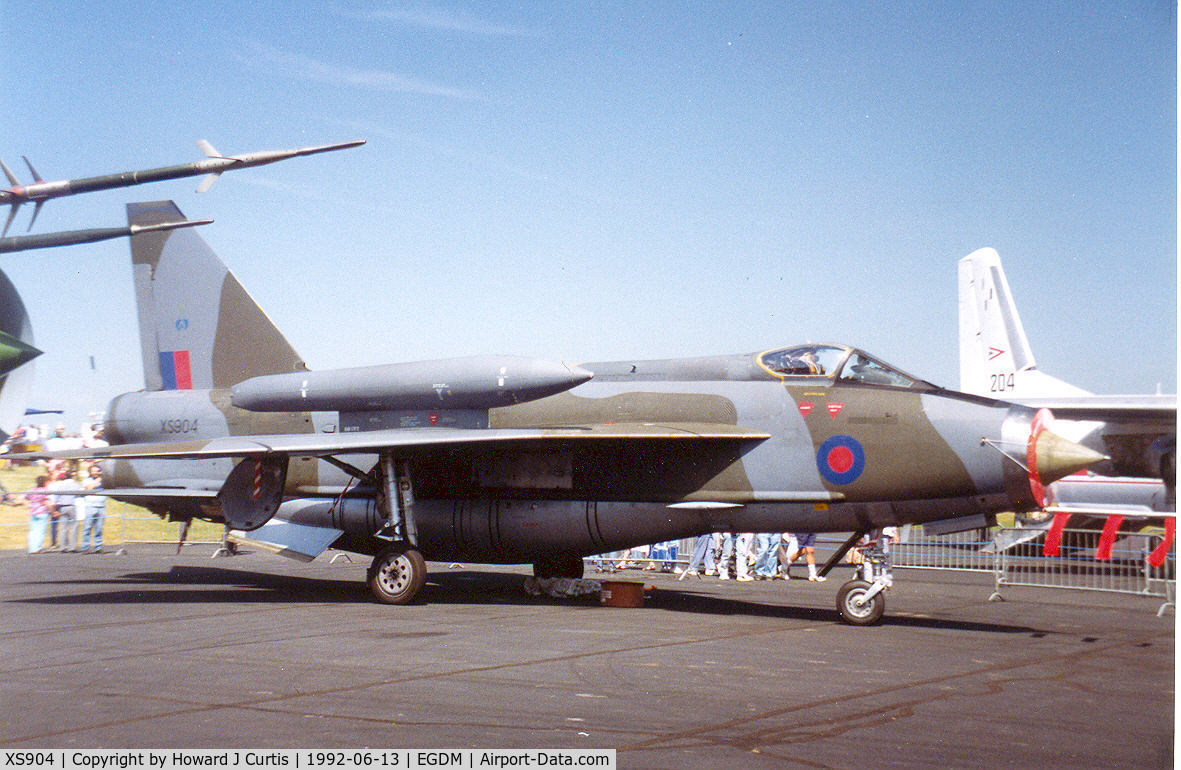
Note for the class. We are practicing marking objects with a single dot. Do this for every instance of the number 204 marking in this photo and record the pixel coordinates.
(1002, 383)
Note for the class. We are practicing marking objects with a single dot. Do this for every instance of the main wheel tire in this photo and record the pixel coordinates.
(559, 566)
(397, 574)
(859, 615)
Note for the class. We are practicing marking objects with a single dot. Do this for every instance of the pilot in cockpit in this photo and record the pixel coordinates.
(809, 363)
(797, 362)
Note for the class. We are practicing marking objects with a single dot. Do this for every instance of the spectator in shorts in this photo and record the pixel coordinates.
(807, 543)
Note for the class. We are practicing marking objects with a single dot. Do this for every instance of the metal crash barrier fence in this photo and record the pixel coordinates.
(968, 551)
(957, 551)
(1077, 565)
(1013, 555)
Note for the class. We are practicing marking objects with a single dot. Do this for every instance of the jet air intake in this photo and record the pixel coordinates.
(476, 382)
(1034, 456)
(1049, 457)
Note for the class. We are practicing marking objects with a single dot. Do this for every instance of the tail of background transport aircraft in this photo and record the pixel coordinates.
(198, 327)
(995, 357)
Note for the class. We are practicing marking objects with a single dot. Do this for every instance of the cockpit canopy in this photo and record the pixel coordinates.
(838, 363)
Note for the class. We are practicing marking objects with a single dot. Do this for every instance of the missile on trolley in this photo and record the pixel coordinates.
(213, 166)
(74, 237)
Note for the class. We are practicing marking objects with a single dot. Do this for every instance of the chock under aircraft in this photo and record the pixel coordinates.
(501, 459)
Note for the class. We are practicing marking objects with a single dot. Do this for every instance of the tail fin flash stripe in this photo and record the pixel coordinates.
(175, 371)
(183, 371)
(167, 371)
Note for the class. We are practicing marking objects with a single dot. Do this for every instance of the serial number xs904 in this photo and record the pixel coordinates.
(178, 425)
(29, 759)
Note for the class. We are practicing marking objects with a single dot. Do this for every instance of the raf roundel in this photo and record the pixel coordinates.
(840, 459)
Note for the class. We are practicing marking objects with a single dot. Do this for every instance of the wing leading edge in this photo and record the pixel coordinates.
(409, 440)
(1118, 409)
(663, 462)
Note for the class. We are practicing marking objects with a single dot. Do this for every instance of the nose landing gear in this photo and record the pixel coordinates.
(862, 601)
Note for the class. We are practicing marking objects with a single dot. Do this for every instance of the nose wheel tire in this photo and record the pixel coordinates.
(397, 574)
(849, 599)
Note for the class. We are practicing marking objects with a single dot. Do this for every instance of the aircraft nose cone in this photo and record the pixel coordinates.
(1053, 457)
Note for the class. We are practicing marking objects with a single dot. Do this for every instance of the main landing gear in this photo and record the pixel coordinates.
(397, 574)
(862, 601)
(398, 571)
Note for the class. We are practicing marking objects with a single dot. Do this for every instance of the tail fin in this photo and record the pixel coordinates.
(995, 357)
(198, 327)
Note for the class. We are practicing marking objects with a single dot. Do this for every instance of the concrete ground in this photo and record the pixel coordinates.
(154, 650)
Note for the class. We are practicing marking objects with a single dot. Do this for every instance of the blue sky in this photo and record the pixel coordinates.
(594, 181)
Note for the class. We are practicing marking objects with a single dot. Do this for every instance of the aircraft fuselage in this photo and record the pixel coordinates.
(841, 454)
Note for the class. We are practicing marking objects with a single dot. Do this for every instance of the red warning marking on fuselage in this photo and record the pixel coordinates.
(806, 407)
(835, 409)
(994, 353)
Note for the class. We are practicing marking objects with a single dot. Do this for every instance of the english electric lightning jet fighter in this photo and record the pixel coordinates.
(1138, 432)
(501, 459)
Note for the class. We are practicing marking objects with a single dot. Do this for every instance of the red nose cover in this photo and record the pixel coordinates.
(1041, 421)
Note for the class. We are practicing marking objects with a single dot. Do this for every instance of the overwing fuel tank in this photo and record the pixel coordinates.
(476, 382)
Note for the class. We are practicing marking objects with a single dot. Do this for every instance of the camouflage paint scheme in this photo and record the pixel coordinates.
(644, 451)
